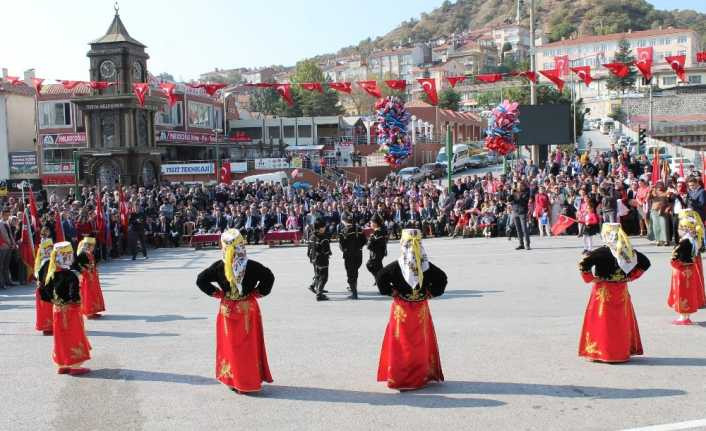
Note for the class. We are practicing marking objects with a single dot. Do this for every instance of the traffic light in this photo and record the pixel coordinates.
(641, 140)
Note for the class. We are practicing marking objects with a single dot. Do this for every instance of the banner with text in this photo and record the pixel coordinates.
(23, 162)
(63, 140)
(188, 169)
(272, 163)
(172, 136)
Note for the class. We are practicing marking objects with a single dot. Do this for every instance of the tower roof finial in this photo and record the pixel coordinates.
(116, 7)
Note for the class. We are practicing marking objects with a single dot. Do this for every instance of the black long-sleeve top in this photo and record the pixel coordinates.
(319, 249)
(390, 280)
(377, 244)
(82, 262)
(351, 240)
(604, 265)
(682, 251)
(62, 289)
(258, 278)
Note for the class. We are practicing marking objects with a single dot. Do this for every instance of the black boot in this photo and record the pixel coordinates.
(354, 290)
(321, 297)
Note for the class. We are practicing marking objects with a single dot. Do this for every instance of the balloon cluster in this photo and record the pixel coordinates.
(501, 127)
(392, 120)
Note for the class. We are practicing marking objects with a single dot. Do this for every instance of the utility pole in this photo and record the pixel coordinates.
(533, 68)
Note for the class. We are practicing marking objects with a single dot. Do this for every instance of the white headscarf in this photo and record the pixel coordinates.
(620, 246)
(413, 260)
(235, 258)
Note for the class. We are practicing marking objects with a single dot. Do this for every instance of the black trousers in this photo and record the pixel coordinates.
(133, 238)
(522, 229)
(320, 278)
(252, 235)
(352, 264)
(374, 266)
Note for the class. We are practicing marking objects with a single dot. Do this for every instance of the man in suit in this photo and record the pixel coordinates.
(399, 218)
(428, 216)
(251, 225)
(220, 221)
(268, 220)
(162, 231)
(7, 246)
(280, 218)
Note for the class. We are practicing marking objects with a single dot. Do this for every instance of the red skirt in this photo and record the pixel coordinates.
(91, 293)
(410, 355)
(71, 347)
(610, 332)
(241, 359)
(684, 292)
(700, 292)
(44, 313)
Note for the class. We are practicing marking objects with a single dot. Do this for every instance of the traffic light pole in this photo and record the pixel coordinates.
(449, 159)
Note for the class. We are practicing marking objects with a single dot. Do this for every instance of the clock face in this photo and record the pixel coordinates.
(137, 72)
(107, 69)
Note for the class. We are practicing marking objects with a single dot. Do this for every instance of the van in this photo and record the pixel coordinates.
(274, 177)
(461, 157)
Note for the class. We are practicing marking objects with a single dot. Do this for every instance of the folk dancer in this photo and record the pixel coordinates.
(92, 302)
(610, 332)
(410, 355)
(44, 309)
(61, 288)
(241, 358)
(377, 245)
(351, 240)
(319, 252)
(684, 295)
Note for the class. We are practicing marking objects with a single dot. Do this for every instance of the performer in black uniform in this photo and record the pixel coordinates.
(241, 359)
(319, 251)
(351, 240)
(377, 245)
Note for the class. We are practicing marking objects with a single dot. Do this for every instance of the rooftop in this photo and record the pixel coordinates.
(617, 36)
(117, 33)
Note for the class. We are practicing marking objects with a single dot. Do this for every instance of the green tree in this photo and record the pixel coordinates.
(624, 55)
(311, 103)
(449, 99)
(265, 101)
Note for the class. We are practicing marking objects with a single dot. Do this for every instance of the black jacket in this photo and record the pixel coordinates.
(604, 265)
(682, 252)
(319, 249)
(62, 289)
(377, 244)
(520, 202)
(390, 279)
(258, 278)
(351, 240)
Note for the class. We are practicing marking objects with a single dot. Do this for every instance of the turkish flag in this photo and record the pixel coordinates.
(168, 89)
(562, 224)
(677, 64)
(100, 85)
(14, 80)
(27, 247)
(529, 75)
(584, 74)
(397, 84)
(58, 227)
(343, 87)
(621, 70)
(312, 86)
(429, 87)
(453, 80)
(124, 210)
(553, 75)
(140, 90)
(225, 172)
(212, 88)
(285, 91)
(370, 87)
(37, 83)
(701, 57)
(655, 167)
(681, 168)
(100, 219)
(561, 65)
(644, 62)
(34, 215)
(489, 78)
(69, 85)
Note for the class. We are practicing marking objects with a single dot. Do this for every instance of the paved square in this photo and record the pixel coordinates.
(508, 330)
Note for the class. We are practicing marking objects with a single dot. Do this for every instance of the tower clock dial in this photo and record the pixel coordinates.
(107, 69)
(136, 72)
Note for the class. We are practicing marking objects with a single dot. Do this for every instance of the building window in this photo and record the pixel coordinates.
(641, 43)
(653, 42)
(288, 131)
(667, 41)
(304, 131)
(669, 80)
(169, 116)
(273, 132)
(201, 115)
(681, 39)
(54, 114)
(694, 79)
(681, 52)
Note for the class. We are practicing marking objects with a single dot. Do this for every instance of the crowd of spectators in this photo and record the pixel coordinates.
(615, 185)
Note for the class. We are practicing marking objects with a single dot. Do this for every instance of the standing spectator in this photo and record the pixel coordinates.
(136, 232)
(520, 202)
(7, 245)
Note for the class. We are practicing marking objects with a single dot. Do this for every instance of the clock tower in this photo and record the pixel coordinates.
(120, 132)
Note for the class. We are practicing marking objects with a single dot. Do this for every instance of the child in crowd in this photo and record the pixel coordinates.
(591, 226)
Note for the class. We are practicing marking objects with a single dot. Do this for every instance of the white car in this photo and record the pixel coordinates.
(406, 174)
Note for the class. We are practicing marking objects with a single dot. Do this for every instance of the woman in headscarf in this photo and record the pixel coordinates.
(410, 356)
(61, 287)
(241, 359)
(41, 263)
(610, 332)
(685, 292)
(92, 302)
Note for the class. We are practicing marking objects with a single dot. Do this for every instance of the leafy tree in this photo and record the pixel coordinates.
(624, 55)
(449, 99)
(265, 101)
(311, 103)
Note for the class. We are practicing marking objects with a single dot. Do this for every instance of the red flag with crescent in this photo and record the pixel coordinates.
(168, 89)
(343, 87)
(140, 90)
(37, 84)
(212, 88)
(584, 74)
(397, 84)
(644, 61)
(553, 75)
(677, 63)
(621, 70)
(489, 78)
(453, 80)
(370, 87)
(225, 172)
(312, 86)
(68, 85)
(528, 74)
(701, 57)
(100, 85)
(429, 87)
(285, 91)
(561, 65)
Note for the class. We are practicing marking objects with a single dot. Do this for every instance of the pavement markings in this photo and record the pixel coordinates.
(698, 423)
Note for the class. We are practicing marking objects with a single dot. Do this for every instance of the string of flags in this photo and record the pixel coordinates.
(556, 76)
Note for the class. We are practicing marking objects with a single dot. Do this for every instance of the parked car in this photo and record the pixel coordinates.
(407, 174)
(477, 161)
(493, 158)
(677, 162)
(433, 170)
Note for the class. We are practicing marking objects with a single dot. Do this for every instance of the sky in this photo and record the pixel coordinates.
(188, 37)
